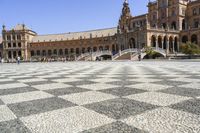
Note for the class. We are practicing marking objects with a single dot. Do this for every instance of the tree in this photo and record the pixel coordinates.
(190, 48)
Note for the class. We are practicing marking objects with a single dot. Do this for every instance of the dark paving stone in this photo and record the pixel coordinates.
(170, 83)
(194, 77)
(65, 91)
(1, 102)
(191, 106)
(16, 90)
(182, 91)
(120, 108)
(21, 78)
(39, 83)
(76, 83)
(39, 106)
(123, 83)
(13, 126)
(8, 82)
(116, 127)
(123, 91)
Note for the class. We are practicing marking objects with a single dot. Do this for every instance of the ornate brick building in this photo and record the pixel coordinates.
(167, 24)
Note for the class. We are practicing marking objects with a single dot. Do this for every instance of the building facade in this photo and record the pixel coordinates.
(167, 24)
(1, 48)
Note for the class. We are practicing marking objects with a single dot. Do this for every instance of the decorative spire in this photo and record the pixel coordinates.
(4, 27)
(126, 1)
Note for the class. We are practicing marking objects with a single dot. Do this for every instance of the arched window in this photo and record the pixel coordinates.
(165, 43)
(66, 51)
(49, 52)
(194, 39)
(19, 53)
(107, 47)
(132, 43)
(60, 52)
(100, 48)
(55, 51)
(32, 53)
(88, 49)
(38, 52)
(183, 24)
(71, 50)
(160, 42)
(153, 41)
(77, 51)
(94, 49)
(83, 50)
(44, 53)
(176, 44)
(184, 39)
(173, 25)
(171, 44)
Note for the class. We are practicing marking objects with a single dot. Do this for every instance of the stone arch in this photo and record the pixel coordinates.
(66, 51)
(194, 39)
(19, 53)
(173, 25)
(83, 50)
(100, 48)
(32, 53)
(94, 49)
(72, 50)
(184, 39)
(60, 52)
(160, 41)
(165, 43)
(107, 47)
(55, 52)
(171, 39)
(153, 41)
(37, 52)
(44, 53)
(77, 51)
(176, 44)
(183, 24)
(89, 49)
(49, 52)
(132, 43)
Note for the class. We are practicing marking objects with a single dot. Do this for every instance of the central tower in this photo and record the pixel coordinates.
(124, 20)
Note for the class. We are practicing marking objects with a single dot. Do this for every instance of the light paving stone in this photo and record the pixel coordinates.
(145, 80)
(51, 86)
(70, 120)
(6, 114)
(19, 77)
(32, 80)
(98, 86)
(104, 80)
(149, 86)
(192, 85)
(88, 97)
(157, 98)
(5, 80)
(21, 97)
(185, 80)
(12, 85)
(165, 120)
(66, 80)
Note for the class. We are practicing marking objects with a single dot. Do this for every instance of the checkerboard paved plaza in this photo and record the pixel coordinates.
(100, 97)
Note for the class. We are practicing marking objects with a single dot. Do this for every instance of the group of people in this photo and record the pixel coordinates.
(18, 59)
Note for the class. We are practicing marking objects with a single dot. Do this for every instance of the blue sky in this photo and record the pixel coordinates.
(60, 16)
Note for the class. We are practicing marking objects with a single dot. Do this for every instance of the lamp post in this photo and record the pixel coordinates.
(138, 42)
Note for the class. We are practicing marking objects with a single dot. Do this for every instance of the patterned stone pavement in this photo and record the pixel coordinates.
(100, 97)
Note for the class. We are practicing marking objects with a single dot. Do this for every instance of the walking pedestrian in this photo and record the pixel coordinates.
(18, 60)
